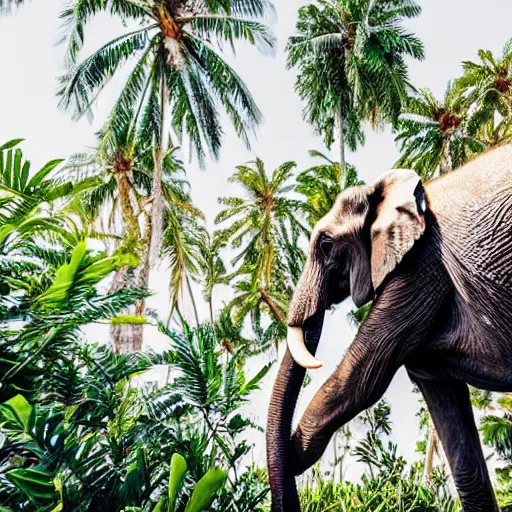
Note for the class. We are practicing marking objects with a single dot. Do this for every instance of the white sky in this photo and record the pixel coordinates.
(30, 61)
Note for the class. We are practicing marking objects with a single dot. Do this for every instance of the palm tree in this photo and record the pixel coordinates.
(351, 60)
(121, 170)
(265, 224)
(432, 135)
(178, 80)
(487, 86)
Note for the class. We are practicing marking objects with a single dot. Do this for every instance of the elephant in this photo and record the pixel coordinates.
(436, 260)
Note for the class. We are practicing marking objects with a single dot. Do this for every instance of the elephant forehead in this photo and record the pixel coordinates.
(336, 224)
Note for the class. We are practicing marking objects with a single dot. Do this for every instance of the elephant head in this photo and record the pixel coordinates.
(352, 251)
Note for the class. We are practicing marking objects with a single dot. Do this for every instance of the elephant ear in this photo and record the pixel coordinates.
(399, 221)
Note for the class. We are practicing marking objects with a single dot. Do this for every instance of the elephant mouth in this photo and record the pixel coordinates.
(311, 305)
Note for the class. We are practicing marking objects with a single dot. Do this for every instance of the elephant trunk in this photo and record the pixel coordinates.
(282, 406)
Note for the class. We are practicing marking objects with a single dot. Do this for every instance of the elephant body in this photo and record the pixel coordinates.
(473, 213)
(437, 262)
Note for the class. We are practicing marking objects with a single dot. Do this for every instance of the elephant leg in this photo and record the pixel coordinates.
(449, 405)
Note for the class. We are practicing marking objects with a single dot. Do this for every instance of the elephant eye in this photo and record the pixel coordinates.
(325, 243)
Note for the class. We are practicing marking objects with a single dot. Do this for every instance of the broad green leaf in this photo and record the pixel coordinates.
(36, 484)
(19, 411)
(10, 144)
(5, 231)
(95, 272)
(177, 472)
(205, 489)
(137, 478)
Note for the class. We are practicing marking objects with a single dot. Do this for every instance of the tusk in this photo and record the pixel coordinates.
(298, 349)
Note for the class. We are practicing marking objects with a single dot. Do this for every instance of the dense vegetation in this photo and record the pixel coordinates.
(83, 427)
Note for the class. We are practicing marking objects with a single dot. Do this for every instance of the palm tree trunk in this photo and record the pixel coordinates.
(160, 152)
(127, 338)
(128, 202)
(341, 141)
(276, 313)
(432, 444)
(210, 305)
(445, 165)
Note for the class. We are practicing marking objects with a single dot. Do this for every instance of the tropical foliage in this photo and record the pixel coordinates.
(487, 86)
(92, 423)
(387, 485)
(78, 433)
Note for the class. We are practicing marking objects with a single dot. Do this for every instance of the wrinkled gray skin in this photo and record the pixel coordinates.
(437, 260)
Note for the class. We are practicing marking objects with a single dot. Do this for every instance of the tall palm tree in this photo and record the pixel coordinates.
(487, 86)
(121, 170)
(264, 223)
(351, 60)
(433, 135)
(178, 80)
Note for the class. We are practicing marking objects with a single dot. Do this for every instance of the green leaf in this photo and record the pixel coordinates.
(159, 507)
(24, 176)
(253, 383)
(7, 170)
(5, 231)
(205, 489)
(16, 172)
(128, 320)
(36, 484)
(177, 472)
(64, 277)
(10, 144)
(41, 174)
(137, 478)
(18, 411)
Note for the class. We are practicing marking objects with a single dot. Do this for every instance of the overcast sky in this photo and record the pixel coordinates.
(452, 30)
